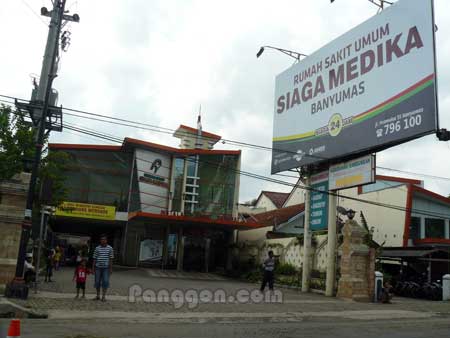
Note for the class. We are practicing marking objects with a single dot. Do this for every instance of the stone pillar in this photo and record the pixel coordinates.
(355, 264)
(231, 242)
(13, 194)
(180, 250)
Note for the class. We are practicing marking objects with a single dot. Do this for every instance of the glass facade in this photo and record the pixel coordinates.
(98, 177)
(216, 185)
(103, 177)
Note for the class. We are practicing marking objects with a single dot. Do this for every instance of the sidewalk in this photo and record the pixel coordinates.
(57, 300)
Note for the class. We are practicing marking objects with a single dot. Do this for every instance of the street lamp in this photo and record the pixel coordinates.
(292, 54)
(379, 4)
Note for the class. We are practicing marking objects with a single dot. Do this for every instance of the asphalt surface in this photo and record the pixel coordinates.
(298, 315)
(436, 328)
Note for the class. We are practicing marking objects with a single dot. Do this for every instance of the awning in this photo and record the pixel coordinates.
(408, 253)
(226, 224)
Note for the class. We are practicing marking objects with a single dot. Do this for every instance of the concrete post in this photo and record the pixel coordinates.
(331, 248)
(38, 258)
(306, 271)
(446, 287)
(207, 249)
(180, 250)
(166, 247)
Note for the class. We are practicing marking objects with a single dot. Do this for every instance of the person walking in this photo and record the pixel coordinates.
(57, 257)
(268, 267)
(102, 266)
(49, 265)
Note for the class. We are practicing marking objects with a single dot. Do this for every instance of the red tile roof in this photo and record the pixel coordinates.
(84, 146)
(277, 198)
(164, 218)
(278, 216)
(130, 142)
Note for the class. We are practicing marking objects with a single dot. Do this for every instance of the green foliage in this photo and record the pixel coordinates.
(285, 269)
(17, 149)
(54, 191)
(317, 284)
(301, 239)
(253, 276)
(16, 142)
(294, 280)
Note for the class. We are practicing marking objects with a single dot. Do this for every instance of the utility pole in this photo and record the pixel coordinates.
(306, 271)
(42, 99)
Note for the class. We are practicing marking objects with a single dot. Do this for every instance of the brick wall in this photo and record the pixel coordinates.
(12, 206)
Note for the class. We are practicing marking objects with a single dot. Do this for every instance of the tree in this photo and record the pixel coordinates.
(17, 147)
(16, 143)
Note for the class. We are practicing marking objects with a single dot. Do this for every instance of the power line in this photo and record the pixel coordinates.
(34, 12)
(138, 125)
(415, 174)
(300, 186)
(261, 177)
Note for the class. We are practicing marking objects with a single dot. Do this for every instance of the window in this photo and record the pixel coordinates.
(178, 184)
(434, 228)
(414, 228)
(191, 164)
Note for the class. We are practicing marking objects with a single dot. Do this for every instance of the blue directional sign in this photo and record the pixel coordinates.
(318, 217)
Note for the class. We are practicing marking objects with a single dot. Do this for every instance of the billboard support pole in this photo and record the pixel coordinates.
(306, 271)
(331, 247)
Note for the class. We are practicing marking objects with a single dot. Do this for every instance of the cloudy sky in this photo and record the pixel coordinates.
(158, 61)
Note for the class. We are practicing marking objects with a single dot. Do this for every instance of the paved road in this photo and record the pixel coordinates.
(298, 315)
(248, 328)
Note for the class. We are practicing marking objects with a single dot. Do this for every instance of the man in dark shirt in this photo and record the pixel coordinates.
(268, 277)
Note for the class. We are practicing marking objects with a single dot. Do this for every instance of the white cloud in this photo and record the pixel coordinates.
(157, 61)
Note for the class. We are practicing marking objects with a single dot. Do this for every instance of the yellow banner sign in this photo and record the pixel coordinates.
(84, 210)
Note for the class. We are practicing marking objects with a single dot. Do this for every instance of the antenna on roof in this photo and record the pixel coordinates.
(199, 121)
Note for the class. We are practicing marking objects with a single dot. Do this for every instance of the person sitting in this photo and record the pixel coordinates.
(30, 271)
(386, 294)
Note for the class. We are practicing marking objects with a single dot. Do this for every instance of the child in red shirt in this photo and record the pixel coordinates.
(79, 277)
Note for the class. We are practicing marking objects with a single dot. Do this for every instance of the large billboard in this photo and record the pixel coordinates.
(153, 171)
(369, 89)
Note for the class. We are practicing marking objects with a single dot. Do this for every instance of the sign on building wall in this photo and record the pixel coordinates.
(369, 89)
(352, 173)
(151, 250)
(84, 210)
(318, 217)
(153, 171)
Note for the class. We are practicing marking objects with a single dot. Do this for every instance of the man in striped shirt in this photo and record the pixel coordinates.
(102, 266)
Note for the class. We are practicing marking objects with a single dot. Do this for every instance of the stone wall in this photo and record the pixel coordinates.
(13, 195)
(287, 250)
